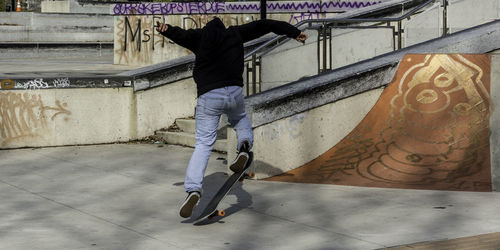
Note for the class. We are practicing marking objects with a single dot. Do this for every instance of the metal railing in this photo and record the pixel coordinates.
(324, 27)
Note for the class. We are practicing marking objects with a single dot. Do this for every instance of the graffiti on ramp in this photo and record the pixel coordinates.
(428, 130)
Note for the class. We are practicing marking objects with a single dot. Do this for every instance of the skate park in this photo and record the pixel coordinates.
(91, 161)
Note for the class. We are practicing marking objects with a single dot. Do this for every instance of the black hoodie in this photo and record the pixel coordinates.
(219, 51)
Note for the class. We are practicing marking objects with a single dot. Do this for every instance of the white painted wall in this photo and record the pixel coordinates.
(290, 62)
(353, 45)
(424, 26)
(462, 14)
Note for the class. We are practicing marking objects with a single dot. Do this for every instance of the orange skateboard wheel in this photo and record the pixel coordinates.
(221, 213)
(251, 174)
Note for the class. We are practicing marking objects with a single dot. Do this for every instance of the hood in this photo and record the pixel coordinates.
(213, 33)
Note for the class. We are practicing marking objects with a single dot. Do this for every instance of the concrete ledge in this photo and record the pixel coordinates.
(64, 82)
(55, 49)
(37, 27)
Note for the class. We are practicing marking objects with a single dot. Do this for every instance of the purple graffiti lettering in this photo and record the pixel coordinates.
(144, 9)
(155, 8)
(180, 7)
(220, 7)
(193, 8)
(117, 10)
(293, 6)
(232, 7)
(251, 7)
(165, 10)
(346, 5)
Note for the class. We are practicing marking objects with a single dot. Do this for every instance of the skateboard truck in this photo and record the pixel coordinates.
(249, 175)
(220, 213)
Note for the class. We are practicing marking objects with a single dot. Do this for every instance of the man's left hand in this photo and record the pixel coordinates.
(302, 37)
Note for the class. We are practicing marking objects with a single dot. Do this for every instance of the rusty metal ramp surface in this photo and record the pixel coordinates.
(428, 130)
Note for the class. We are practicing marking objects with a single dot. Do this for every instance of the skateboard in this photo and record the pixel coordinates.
(210, 210)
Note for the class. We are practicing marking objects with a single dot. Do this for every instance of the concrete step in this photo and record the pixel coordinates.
(186, 125)
(189, 126)
(59, 50)
(188, 139)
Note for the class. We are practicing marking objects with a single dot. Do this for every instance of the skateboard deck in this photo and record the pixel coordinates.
(210, 210)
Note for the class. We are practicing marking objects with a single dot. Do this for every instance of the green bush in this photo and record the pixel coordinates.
(2, 5)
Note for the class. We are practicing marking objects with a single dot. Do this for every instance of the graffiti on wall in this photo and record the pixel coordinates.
(135, 35)
(203, 8)
(37, 83)
(137, 40)
(25, 115)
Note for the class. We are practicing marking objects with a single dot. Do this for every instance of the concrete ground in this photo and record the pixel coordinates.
(126, 196)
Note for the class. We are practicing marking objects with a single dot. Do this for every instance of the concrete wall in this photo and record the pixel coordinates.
(159, 107)
(354, 45)
(290, 62)
(37, 27)
(73, 6)
(68, 116)
(462, 14)
(32, 118)
(58, 6)
(495, 121)
(144, 47)
(293, 141)
(425, 26)
(141, 45)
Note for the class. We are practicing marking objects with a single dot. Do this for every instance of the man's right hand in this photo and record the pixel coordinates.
(302, 37)
(161, 27)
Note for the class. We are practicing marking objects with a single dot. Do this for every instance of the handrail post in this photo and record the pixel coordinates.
(318, 56)
(393, 36)
(254, 74)
(248, 77)
(400, 33)
(445, 17)
(324, 46)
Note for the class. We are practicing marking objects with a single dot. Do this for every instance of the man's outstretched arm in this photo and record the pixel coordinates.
(188, 39)
(259, 28)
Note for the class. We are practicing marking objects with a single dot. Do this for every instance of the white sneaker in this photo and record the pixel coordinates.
(189, 204)
(239, 163)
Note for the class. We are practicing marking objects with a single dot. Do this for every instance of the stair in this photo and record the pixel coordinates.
(185, 134)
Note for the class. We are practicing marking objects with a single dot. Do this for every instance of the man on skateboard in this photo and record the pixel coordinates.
(218, 74)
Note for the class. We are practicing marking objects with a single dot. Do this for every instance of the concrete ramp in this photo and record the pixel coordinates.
(428, 130)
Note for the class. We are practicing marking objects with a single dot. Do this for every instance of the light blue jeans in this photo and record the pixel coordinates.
(211, 105)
